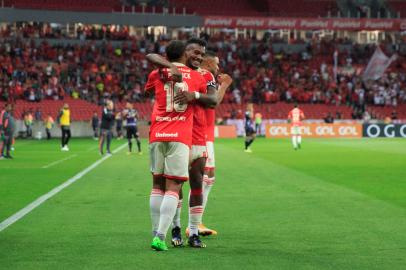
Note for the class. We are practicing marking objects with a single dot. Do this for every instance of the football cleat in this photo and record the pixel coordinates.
(177, 237)
(158, 244)
(203, 231)
(195, 242)
(248, 150)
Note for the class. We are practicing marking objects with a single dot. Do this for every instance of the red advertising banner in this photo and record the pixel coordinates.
(305, 23)
(316, 130)
(225, 132)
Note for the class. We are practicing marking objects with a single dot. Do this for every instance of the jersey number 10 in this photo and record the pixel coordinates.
(171, 90)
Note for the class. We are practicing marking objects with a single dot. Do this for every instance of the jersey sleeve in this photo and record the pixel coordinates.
(290, 115)
(202, 85)
(210, 80)
(153, 77)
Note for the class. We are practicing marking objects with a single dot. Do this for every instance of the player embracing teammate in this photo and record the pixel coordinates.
(178, 151)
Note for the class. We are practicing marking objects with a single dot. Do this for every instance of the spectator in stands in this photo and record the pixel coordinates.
(49, 124)
(329, 118)
(28, 121)
(38, 115)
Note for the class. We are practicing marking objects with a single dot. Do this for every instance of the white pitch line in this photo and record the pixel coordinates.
(57, 162)
(20, 214)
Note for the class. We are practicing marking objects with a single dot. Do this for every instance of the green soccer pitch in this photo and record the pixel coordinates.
(334, 204)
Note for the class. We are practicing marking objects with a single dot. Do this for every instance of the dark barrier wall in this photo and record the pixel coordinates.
(135, 19)
(384, 130)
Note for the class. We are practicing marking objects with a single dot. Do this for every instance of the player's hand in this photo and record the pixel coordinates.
(225, 79)
(176, 75)
(184, 97)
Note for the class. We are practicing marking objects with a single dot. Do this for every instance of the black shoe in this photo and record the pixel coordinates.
(177, 237)
(8, 157)
(194, 241)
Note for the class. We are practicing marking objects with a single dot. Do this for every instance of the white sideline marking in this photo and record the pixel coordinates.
(20, 214)
(58, 161)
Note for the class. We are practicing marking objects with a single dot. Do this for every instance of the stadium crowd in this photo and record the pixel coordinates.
(98, 71)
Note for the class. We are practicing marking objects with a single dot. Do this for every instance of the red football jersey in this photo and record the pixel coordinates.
(199, 124)
(170, 121)
(296, 115)
(210, 113)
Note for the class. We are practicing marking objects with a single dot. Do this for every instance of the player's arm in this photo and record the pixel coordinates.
(150, 85)
(208, 100)
(225, 81)
(161, 62)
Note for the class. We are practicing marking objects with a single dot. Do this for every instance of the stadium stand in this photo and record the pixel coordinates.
(398, 6)
(71, 5)
(45, 73)
(308, 8)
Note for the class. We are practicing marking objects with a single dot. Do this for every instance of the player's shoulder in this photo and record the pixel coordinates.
(207, 74)
(154, 73)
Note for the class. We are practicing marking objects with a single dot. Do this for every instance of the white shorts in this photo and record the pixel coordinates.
(295, 130)
(210, 162)
(197, 151)
(170, 159)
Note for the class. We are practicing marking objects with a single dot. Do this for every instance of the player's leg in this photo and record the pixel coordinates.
(175, 172)
(196, 199)
(294, 141)
(176, 224)
(9, 140)
(136, 136)
(102, 139)
(63, 137)
(95, 131)
(208, 182)
(109, 137)
(68, 135)
(249, 140)
(2, 143)
(294, 137)
(299, 139)
(158, 183)
(129, 135)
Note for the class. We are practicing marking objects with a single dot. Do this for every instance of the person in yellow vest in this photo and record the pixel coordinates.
(49, 123)
(28, 123)
(258, 123)
(64, 122)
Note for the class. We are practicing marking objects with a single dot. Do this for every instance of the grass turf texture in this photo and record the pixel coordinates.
(335, 204)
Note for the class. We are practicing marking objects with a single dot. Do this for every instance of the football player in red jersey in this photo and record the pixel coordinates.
(194, 50)
(169, 134)
(210, 69)
(295, 117)
(170, 139)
